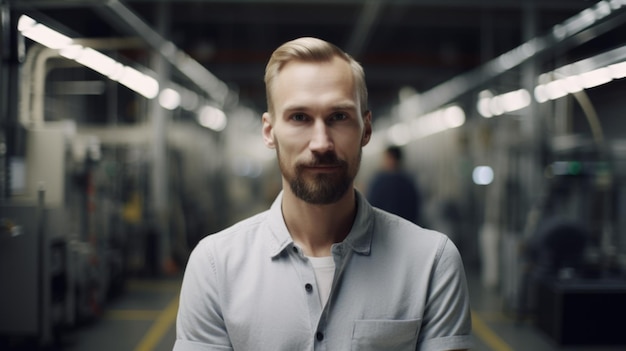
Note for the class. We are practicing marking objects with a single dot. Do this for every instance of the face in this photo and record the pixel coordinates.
(317, 129)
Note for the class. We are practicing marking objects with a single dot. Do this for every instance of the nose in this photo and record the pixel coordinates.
(321, 140)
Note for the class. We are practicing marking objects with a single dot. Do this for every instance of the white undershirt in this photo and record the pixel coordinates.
(324, 268)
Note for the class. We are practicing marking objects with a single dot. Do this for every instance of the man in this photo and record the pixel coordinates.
(392, 189)
(322, 269)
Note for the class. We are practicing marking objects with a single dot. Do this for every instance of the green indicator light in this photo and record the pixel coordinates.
(574, 168)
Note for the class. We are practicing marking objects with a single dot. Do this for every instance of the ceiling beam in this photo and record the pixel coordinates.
(446, 92)
(194, 71)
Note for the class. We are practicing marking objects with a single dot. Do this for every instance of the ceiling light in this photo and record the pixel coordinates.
(437, 121)
(482, 175)
(71, 51)
(483, 103)
(489, 106)
(42, 34)
(212, 118)
(555, 89)
(139, 82)
(453, 117)
(596, 77)
(515, 100)
(98, 62)
(541, 94)
(573, 84)
(618, 70)
(88, 57)
(169, 99)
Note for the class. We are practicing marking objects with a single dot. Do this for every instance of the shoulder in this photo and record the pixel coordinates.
(410, 236)
(385, 221)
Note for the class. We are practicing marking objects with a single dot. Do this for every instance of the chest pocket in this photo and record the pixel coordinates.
(396, 335)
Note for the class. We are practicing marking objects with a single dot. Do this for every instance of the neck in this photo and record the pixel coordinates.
(315, 228)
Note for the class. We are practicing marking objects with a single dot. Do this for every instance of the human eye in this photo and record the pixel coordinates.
(338, 116)
(298, 117)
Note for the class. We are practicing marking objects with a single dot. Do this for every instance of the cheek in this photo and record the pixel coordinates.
(283, 150)
(291, 140)
(349, 141)
(294, 136)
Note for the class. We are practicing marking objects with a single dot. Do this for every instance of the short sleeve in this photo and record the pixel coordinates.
(447, 319)
(200, 324)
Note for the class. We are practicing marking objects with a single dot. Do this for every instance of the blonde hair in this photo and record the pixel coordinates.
(312, 50)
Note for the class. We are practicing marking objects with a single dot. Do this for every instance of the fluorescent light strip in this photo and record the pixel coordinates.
(618, 70)
(429, 124)
(99, 62)
(139, 82)
(42, 34)
(489, 106)
(558, 88)
(88, 57)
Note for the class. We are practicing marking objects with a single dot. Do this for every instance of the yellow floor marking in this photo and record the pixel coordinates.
(497, 317)
(159, 328)
(132, 315)
(487, 335)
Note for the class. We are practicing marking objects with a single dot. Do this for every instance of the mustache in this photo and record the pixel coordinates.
(325, 159)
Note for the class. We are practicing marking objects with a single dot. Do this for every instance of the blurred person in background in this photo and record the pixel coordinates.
(392, 189)
(322, 269)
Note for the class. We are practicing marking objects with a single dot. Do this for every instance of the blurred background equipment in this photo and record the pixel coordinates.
(130, 129)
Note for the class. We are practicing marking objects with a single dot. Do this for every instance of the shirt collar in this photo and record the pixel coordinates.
(359, 239)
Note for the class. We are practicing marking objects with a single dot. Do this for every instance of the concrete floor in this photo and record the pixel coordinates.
(141, 319)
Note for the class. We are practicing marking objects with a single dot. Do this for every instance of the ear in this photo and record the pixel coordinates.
(268, 131)
(367, 128)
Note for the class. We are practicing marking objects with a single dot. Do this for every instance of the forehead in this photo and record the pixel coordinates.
(314, 79)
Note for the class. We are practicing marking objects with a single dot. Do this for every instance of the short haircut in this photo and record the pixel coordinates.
(309, 49)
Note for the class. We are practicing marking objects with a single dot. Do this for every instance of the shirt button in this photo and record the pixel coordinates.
(295, 249)
(319, 336)
(308, 287)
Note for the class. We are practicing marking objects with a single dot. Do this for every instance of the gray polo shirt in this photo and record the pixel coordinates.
(397, 287)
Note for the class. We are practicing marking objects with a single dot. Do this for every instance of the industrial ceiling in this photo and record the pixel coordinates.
(403, 45)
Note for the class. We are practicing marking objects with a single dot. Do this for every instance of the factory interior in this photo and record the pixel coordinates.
(131, 129)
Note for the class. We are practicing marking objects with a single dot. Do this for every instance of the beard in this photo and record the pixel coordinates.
(323, 188)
